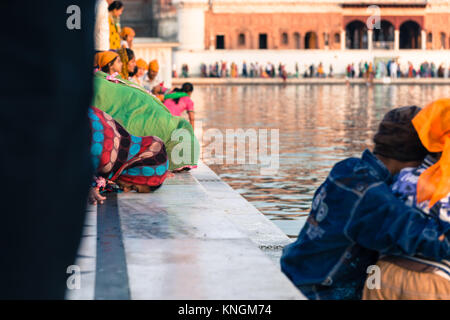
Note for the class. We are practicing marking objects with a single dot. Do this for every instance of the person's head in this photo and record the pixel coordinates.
(142, 67)
(188, 88)
(116, 8)
(397, 143)
(131, 61)
(109, 62)
(153, 69)
(128, 34)
(128, 187)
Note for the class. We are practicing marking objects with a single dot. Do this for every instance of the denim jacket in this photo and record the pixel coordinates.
(355, 217)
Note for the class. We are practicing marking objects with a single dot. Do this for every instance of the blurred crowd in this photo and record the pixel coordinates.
(364, 69)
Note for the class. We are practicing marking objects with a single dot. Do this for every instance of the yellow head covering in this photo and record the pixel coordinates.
(105, 57)
(127, 31)
(154, 66)
(433, 127)
(142, 64)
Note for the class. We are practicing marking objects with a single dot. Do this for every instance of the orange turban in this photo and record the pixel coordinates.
(154, 66)
(433, 127)
(142, 64)
(127, 31)
(106, 57)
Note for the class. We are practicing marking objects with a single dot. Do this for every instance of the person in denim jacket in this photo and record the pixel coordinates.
(427, 188)
(355, 217)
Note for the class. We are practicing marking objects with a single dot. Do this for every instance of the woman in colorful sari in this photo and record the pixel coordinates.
(142, 114)
(115, 11)
(426, 187)
(133, 163)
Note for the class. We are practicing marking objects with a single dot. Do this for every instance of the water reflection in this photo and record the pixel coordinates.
(319, 125)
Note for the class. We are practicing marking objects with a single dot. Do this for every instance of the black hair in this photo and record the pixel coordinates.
(130, 54)
(131, 74)
(108, 66)
(116, 5)
(186, 87)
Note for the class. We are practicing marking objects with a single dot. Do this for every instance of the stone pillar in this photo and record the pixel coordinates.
(191, 23)
(370, 39)
(397, 40)
(212, 42)
(343, 39)
(423, 37)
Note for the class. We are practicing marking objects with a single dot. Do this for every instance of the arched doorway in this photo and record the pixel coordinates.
(311, 41)
(356, 35)
(443, 40)
(383, 38)
(297, 40)
(410, 35)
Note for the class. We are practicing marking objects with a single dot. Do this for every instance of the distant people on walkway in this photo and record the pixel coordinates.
(185, 71)
(115, 11)
(244, 70)
(368, 70)
(320, 71)
(234, 70)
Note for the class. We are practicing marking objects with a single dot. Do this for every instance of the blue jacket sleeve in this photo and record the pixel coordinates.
(381, 222)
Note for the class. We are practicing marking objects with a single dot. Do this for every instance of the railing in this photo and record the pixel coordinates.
(154, 48)
(388, 45)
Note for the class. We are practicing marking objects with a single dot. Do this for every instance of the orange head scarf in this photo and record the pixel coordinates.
(433, 127)
(142, 64)
(153, 66)
(105, 57)
(127, 31)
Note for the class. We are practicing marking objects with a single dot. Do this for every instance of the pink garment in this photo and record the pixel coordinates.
(185, 103)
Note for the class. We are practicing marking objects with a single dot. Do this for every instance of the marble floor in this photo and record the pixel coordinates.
(194, 238)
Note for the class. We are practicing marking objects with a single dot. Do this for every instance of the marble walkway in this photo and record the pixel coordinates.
(194, 238)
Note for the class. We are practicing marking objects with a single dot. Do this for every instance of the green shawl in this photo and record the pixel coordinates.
(144, 115)
(175, 95)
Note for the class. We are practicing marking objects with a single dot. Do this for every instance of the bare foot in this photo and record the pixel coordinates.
(170, 175)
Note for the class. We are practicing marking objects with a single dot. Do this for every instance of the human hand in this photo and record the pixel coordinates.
(95, 196)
